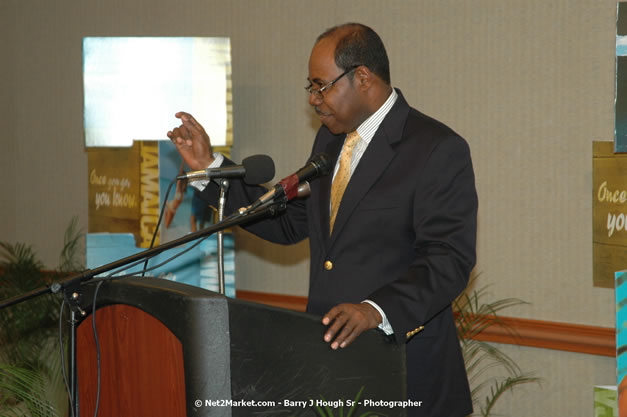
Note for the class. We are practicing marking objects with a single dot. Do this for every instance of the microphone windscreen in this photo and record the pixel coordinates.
(321, 161)
(259, 169)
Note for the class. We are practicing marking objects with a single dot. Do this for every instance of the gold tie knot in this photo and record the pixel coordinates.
(342, 176)
(351, 141)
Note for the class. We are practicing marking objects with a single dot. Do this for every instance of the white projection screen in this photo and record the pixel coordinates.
(134, 85)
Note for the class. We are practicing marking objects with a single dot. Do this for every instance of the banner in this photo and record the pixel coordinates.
(133, 87)
(609, 213)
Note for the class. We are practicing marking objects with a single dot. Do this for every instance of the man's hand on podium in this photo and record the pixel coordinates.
(350, 320)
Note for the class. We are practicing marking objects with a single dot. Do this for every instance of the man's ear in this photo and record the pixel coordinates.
(364, 77)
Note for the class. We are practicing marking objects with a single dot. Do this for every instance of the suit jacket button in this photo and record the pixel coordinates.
(328, 265)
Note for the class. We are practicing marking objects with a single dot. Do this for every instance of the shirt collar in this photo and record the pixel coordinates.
(369, 126)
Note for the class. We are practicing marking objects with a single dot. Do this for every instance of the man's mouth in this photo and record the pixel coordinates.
(321, 113)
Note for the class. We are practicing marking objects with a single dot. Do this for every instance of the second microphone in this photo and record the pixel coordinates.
(255, 169)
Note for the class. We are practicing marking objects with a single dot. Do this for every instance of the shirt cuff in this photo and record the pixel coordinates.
(217, 162)
(385, 324)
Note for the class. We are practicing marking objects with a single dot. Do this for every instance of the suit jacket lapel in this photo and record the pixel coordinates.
(333, 149)
(373, 163)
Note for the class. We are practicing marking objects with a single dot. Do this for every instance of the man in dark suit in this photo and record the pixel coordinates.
(392, 231)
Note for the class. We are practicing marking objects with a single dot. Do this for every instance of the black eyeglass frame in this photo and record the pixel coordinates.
(318, 91)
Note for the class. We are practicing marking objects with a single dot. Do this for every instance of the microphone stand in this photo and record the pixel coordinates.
(71, 285)
(224, 187)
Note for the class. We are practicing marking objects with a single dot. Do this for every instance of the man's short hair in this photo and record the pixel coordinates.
(359, 45)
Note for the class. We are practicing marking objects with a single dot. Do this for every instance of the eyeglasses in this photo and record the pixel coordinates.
(318, 91)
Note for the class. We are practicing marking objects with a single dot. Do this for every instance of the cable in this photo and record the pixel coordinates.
(124, 268)
(152, 242)
(154, 235)
(63, 370)
(111, 276)
(198, 242)
(146, 269)
(229, 218)
(93, 325)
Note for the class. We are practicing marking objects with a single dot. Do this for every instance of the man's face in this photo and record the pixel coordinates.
(339, 105)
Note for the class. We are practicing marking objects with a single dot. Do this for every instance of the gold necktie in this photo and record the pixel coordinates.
(342, 176)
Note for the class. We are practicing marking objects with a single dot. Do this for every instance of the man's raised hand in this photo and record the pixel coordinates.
(192, 142)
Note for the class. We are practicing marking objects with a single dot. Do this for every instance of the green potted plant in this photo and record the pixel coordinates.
(473, 316)
(30, 368)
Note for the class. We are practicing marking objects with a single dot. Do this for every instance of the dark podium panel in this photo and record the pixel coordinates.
(169, 349)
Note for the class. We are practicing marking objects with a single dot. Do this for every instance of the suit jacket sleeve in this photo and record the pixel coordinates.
(444, 222)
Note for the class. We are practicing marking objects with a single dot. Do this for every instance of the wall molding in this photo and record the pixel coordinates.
(579, 338)
(569, 337)
(291, 302)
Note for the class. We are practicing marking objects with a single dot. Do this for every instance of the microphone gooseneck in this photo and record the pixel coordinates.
(255, 169)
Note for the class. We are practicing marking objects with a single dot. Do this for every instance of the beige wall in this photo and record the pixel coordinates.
(530, 85)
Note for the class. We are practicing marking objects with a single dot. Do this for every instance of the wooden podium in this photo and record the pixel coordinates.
(169, 349)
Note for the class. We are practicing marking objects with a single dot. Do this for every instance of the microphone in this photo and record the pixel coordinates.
(291, 186)
(304, 190)
(255, 169)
